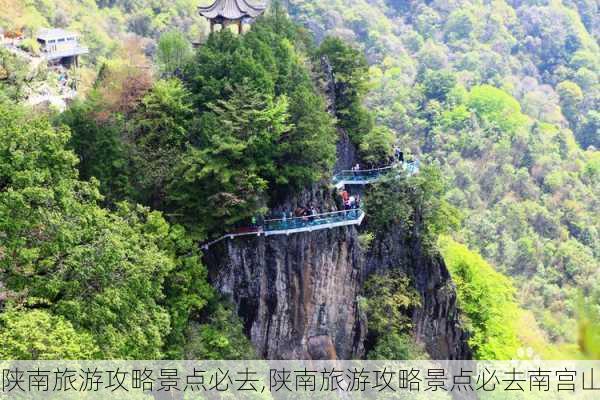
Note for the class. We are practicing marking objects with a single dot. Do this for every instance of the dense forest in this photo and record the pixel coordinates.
(505, 96)
(102, 207)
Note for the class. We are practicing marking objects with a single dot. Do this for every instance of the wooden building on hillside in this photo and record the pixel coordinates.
(61, 47)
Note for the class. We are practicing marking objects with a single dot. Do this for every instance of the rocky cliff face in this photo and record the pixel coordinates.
(436, 322)
(298, 294)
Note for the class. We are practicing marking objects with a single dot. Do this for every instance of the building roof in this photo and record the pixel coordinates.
(232, 9)
(50, 34)
(71, 52)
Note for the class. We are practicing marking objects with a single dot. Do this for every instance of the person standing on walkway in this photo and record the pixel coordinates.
(345, 196)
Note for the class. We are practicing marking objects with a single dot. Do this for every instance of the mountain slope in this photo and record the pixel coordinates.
(526, 184)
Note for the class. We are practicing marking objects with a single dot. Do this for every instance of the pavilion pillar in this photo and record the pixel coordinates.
(240, 27)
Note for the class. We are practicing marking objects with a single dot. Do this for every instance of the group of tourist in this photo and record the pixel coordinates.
(351, 202)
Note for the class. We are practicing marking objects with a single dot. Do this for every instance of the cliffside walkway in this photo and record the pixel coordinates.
(289, 226)
(368, 176)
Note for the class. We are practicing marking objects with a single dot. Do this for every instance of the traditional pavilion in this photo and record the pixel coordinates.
(228, 12)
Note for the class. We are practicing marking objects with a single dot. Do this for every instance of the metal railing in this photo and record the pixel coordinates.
(298, 224)
(322, 220)
(362, 175)
(370, 175)
(316, 220)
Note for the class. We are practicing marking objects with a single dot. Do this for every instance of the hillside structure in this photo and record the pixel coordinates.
(60, 47)
(230, 12)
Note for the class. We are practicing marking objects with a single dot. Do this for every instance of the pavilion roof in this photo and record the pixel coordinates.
(232, 10)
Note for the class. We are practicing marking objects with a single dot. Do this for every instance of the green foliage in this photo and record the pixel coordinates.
(377, 146)
(262, 129)
(366, 239)
(413, 201)
(389, 300)
(14, 76)
(487, 300)
(30, 45)
(388, 303)
(590, 131)
(350, 71)
(174, 52)
(39, 335)
(592, 168)
(218, 338)
(388, 204)
(158, 138)
(438, 84)
(86, 265)
(460, 25)
(308, 152)
(231, 172)
(105, 25)
(395, 346)
(589, 327)
(497, 108)
(571, 98)
(97, 142)
(186, 290)
(529, 193)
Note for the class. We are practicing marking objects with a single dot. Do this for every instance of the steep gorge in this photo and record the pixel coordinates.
(298, 295)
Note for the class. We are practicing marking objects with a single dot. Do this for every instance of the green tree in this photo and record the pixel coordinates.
(173, 53)
(589, 327)
(377, 147)
(590, 132)
(487, 299)
(497, 108)
(225, 180)
(417, 201)
(98, 143)
(239, 84)
(39, 335)
(14, 78)
(438, 84)
(159, 132)
(90, 266)
(388, 303)
(350, 70)
(218, 337)
(307, 153)
(571, 97)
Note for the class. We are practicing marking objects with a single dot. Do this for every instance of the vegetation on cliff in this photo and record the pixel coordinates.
(505, 97)
(210, 146)
(502, 102)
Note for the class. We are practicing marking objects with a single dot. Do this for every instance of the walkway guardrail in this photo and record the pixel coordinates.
(309, 223)
(323, 220)
(287, 226)
(367, 176)
(362, 175)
